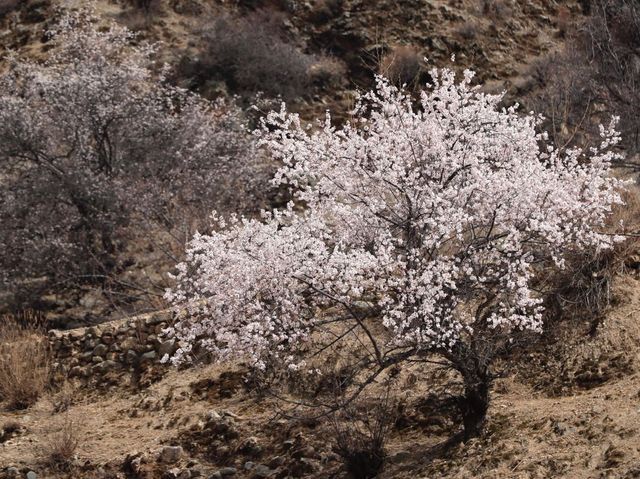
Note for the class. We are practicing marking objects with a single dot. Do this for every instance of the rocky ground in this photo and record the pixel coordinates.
(203, 422)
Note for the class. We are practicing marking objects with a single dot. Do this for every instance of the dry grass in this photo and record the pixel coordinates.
(25, 360)
(60, 447)
(361, 431)
(403, 65)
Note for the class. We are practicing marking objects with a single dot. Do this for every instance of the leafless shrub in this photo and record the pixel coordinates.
(584, 287)
(496, 9)
(63, 398)
(611, 41)
(146, 6)
(402, 65)
(324, 10)
(564, 96)
(563, 21)
(85, 197)
(360, 432)
(328, 73)
(8, 6)
(251, 54)
(60, 447)
(468, 30)
(25, 360)
(595, 77)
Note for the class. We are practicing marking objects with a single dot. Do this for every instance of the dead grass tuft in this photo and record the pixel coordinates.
(403, 65)
(25, 361)
(60, 447)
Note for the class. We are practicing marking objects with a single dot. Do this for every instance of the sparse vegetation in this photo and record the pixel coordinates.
(251, 55)
(61, 446)
(25, 362)
(8, 6)
(99, 152)
(403, 65)
(361, 431)
(595, 74)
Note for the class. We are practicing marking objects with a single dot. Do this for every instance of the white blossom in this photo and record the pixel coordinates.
(438, 216)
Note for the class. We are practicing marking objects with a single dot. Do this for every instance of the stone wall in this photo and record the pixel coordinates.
(113, 348)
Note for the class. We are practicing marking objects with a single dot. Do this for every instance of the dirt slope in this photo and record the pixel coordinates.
(532, 432)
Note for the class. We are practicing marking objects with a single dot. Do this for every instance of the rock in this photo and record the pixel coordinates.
(276, 462)
(399, 457)
(105, 366)
(170, 454)
(100, 350)
(133, 463)
(250, 446)
(262, 471)
(186, 474)
(562, 428)
(75, 334)
(309, 466)
(131, 356)
(226, 412)
(228, 471)
(32, 475)
(308, 451)
(150, 356)
(12, 472)
(157, 318)
(78, 371)
(215, 475)
(248, 465)
(213, 416)
(167, 347)
(172, 474)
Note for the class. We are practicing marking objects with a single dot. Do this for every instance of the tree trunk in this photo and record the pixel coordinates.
(475, 402)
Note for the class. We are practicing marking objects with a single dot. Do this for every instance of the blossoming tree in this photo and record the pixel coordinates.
(422, 229)
(96, 131)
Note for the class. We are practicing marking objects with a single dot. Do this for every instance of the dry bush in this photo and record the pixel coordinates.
(360, 432)
(60, 447)
(468, 30)
(25, 363)
(63, 398)
(113, 214)
(328, 73)
(564, 96)
(595, 77)
(324, 10)
(147, 6)
(403, 65)
(610, 39)
(251, 55)
(8, 6)
(583, 288)
(563, 21)
(496, 9)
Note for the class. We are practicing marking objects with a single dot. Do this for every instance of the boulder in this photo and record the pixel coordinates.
(170, 454)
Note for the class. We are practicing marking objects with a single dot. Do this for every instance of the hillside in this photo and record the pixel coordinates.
(589, 430)
(564, 404)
